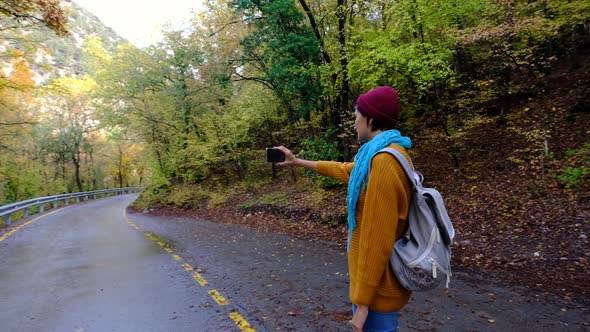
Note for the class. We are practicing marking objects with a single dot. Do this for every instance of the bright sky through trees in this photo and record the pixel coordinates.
(141, 21)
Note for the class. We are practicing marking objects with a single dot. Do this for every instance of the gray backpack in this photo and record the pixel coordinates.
(421, 259)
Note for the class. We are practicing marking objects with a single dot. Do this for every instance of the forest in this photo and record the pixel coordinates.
(495, 96)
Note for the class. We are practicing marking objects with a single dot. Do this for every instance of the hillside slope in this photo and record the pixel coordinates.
(52, 55)
(521, 197)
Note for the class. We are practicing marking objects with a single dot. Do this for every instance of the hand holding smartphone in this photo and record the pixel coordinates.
(274, 155)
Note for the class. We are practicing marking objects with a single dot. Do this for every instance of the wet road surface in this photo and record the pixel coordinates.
(91, 268)
(85, 269)
(285, 284)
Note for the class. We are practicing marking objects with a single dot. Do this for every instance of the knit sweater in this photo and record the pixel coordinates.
(381, 216)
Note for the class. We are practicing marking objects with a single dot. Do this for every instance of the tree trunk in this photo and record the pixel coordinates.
(314, 26)
(341, 102)
(343, 96)
(76, 162)
(120, 162)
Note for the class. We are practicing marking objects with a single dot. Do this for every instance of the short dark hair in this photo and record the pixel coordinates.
(376, 124)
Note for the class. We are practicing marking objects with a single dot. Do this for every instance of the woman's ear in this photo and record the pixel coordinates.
(370, 123)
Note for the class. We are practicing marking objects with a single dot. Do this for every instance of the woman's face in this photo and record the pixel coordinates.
(363, 130)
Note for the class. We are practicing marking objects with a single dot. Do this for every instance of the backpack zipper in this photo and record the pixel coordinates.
(433, 268)
(428, 249)
(439, 268)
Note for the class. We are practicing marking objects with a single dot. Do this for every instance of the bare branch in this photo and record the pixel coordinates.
(223, 27)
(18, 123)
(316, 31)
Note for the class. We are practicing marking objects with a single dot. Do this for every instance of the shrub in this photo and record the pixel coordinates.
(577, 170)
(217, 200)
(187, 196)
(151, 197)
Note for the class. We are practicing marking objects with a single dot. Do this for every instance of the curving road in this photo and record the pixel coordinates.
(83, 268)
(90, 267)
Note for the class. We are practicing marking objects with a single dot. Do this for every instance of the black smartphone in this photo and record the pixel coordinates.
(274, 156)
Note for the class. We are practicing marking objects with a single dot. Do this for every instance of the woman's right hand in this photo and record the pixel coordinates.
(290, 158)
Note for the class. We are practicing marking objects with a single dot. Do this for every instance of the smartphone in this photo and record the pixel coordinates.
(274, 155)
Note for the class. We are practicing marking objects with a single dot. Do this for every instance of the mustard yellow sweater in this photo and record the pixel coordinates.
(381, 216)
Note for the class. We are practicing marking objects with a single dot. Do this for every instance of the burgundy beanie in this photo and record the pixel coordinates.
(381, 104)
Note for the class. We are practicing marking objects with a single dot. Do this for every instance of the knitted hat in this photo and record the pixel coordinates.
(381, 104)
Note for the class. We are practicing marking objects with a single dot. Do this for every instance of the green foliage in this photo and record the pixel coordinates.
(567, 13)
(323, 148)
(279, 199)
(217, 200)
(20, 181)
(416, 69)
(186, 196)
(206, 101)
(46, 147)
(287, 51)
(573, 177)
(209, 100)
(181, 196)
(151, 197)
(577, 171)
(504, 56)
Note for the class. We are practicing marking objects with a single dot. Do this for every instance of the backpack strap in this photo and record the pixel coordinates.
(414, 177)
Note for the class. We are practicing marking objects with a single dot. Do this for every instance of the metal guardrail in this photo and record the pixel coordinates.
(7, 210)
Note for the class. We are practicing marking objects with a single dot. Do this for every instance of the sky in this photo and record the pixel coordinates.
(140, 21)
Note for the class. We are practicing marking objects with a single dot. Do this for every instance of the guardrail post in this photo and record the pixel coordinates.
(67, 201)
(7, 220)
(55, 204)
(77, 199)
(42, 208)
(94, 196)
(26, 212)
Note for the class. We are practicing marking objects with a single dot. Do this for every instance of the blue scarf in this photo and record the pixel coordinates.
(358, 178)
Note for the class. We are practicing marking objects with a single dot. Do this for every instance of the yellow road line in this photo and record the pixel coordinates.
(11, 232)
(129, 221)
(241, 322)
(217, 297)
(200, 279)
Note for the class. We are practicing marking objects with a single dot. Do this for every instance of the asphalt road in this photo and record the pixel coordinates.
(289, 284)
(84, 268)
(92, 267)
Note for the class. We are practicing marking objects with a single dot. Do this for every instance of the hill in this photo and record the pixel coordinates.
(60, 56)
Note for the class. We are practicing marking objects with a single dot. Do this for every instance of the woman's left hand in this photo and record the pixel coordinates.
(359, 318)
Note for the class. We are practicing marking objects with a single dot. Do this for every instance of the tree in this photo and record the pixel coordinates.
(16, 94)
(69, 101)
(29, 13)
(283, 54)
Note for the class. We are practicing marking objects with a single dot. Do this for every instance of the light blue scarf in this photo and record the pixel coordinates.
(358, 178)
